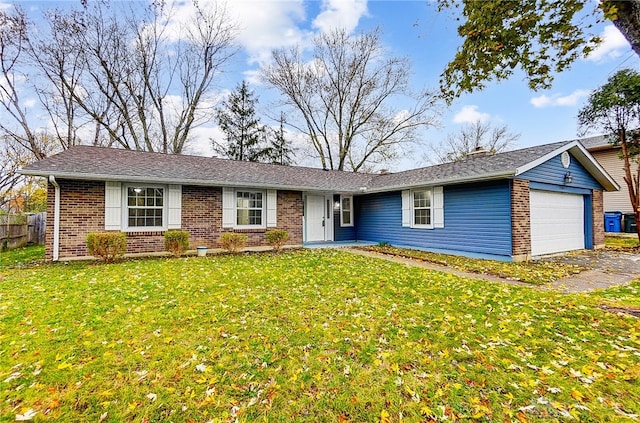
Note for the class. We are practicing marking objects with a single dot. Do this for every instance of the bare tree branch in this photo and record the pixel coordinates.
(343, 99)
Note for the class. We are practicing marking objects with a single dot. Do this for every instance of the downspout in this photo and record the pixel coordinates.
(56, 218)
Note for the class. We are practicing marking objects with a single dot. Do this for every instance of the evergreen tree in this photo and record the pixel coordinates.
(280, 150)
(245, 137)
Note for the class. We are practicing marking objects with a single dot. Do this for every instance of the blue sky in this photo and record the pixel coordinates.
(429, 38)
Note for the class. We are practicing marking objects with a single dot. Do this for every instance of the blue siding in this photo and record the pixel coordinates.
(477, 219)
(342, 233)
(552, 172)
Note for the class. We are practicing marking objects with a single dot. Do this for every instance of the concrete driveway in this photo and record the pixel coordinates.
(605, 268)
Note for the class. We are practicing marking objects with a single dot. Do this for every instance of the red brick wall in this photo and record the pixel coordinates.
(82, 211)
(598, 222)
(289, 218)
(202, 214)
(520, 220)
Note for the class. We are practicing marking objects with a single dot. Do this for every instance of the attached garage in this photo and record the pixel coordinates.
(557, 222)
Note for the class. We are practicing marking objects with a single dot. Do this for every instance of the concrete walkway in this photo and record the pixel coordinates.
(585, 281)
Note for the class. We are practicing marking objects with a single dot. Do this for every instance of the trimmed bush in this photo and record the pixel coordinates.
(232, 242)
(276, 238)
(108, 246)
(176, 242)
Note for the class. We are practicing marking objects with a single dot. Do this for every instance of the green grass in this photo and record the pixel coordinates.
(22, 256)
(620, 242)
(310, 335)
(536, 273)
(620, 296)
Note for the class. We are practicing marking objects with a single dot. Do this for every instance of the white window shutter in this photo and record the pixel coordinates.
(438, 207)
(228, 207)
(272, 208)
(406, 208)
(112, 206)
(174, 218)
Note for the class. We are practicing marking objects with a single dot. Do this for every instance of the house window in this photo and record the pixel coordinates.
(422, 208)
(346, 210)
(249, 208)
(145, 207)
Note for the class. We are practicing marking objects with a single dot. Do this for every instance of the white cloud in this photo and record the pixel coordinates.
(340, 14)
(29, 103)
(470, 114)
(559, 100)
(262, 25)
(613, 45)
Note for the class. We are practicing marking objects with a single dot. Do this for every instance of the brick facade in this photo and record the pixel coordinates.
(597, 205)
(82, 211)
(520, 220)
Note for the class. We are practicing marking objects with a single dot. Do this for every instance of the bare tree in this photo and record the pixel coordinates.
(470, 138)
(343, 99)
(13, 55)
(142, 83)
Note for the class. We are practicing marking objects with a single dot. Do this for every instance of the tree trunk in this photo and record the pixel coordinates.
(628, 21)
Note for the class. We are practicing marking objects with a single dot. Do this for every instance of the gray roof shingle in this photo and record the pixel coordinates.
(98, 163)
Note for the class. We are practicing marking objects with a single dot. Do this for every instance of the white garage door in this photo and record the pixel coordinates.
(557, 222)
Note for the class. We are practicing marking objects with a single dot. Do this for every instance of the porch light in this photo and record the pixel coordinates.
(336, 205)
(568, 178)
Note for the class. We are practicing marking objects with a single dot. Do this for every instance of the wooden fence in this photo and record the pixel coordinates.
(18, 230)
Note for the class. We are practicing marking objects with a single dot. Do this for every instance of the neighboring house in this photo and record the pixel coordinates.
(507, 206)
(608, 155)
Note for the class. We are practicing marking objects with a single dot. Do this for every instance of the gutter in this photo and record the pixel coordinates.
(56, 218)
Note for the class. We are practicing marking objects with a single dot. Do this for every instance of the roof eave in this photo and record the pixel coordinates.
(197, 182)
(447, 181)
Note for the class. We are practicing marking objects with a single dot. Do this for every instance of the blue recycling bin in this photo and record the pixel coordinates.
(613, 222)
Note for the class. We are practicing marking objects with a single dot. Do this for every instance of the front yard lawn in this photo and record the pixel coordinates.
(620, 242)
(308, 335)
(534, 272)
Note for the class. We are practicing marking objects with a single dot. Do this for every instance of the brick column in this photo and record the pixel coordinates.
(520, 220)
(597, 211)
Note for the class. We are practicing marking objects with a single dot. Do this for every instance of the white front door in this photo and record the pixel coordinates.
(315, 218)
(319, 218)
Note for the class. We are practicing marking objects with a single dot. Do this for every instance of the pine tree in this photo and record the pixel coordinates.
(245, 137)
(280, 150)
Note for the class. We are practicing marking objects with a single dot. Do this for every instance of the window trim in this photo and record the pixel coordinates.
(430, 208)
(125, 208)
(263, 216)
(342, 224)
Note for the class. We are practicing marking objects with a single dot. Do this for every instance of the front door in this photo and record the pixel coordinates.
(319, 218)
(315, 218)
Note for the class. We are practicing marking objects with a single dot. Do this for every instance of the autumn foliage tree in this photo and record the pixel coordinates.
(615, 109)
(539, 37)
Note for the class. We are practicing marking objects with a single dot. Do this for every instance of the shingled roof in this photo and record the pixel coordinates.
(108, 164)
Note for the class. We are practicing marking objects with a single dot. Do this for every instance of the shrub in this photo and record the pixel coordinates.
(108, 246)
(276, 238)
(176, 242)
(232, 241)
